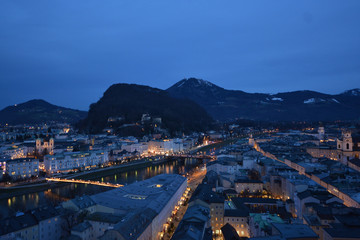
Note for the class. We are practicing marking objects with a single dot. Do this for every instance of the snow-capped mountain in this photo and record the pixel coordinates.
(224, 105)
(352, 92)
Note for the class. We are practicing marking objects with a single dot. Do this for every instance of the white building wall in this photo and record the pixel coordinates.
(69, 161)
(165, 213)
(26, 168)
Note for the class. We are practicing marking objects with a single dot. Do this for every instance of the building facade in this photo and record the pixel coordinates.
(45, 146)
(74, 160)
(21, 167)
(347, 147)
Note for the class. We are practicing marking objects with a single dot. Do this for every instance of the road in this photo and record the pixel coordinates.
(194, 180)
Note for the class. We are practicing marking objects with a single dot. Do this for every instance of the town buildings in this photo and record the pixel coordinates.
(195, 224)
(347, 147)
(69, 161)
(142, 208)
(41, 223)
(165, 146)
(45, 146)
(21, 167)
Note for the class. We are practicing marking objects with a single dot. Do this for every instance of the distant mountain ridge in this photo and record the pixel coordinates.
(131, 101)
(226, 105)
(203, 99)
(39, 111)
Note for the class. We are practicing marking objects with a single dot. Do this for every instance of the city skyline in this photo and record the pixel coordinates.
(173, 120)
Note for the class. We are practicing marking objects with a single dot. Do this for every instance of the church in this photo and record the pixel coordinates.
(45, 147)
(347, 148)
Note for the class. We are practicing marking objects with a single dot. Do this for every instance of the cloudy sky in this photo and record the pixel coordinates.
(70, 52)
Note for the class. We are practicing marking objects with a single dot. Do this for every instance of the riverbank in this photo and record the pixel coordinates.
(103, 172)
(99, 173)
(217, 145)
(18, 191)
(94, 174)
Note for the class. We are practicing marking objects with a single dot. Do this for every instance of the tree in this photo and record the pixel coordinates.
(6, 178)
(246, 193)
(258, 193)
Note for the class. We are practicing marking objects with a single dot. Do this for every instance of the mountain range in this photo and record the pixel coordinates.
(130, 101)
(190, 104)
(39, 111)
(226, 105)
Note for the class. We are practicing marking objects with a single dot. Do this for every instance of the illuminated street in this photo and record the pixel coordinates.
(194, 180)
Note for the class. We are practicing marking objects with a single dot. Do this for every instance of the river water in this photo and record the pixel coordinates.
(62, 193)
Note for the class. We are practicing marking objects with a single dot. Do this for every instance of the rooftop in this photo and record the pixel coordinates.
(229, 232)
(340, 231)
(104, 217)
(81, 227)
(14, 224)
(83, 202)
(243, 212)
(294, 231)
(153, 193)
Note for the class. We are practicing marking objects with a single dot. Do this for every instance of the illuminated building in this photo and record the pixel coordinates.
(347, 147)
(146, 206)
(45, 147)
(21, 167)
(69, 161)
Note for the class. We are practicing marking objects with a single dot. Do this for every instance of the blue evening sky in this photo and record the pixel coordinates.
(70, 52)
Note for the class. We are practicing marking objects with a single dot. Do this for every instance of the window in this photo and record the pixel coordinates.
(136, 197)
(347, 146)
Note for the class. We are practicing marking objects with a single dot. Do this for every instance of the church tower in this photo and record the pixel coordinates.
(51, 146)
(346, 143)
(38, 145)
(251, 141)
(321, 133)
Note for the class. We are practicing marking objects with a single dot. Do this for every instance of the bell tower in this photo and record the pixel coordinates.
(251, 141)
(347, 143)
(51, 146)
(38, 144)
(321, 133)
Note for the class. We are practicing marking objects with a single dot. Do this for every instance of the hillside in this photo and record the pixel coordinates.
(131, 101)
(39, 111)
(227, 105)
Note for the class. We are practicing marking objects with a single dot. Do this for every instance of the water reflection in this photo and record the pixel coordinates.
(68, 191)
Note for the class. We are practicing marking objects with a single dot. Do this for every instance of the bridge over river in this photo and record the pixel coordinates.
(84, 182)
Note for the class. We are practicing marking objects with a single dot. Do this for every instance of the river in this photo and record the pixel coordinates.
(64, 192)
